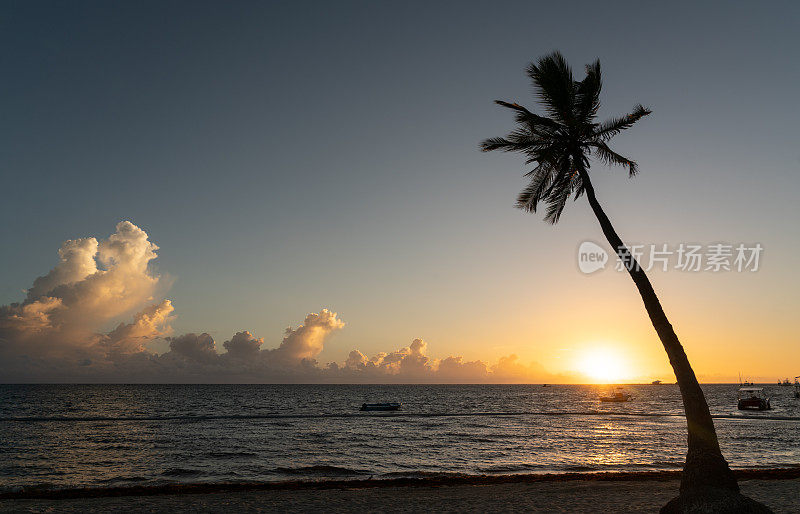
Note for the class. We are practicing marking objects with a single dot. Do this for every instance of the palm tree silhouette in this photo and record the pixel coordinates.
(560, 145)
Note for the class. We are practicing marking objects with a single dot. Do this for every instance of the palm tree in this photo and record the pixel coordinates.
(559, 146)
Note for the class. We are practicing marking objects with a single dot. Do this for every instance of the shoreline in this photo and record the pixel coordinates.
(791, 473)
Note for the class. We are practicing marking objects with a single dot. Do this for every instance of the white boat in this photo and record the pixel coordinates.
(753, 398)
(617, 396)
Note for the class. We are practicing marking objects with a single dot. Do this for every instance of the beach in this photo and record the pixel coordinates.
(643, 492)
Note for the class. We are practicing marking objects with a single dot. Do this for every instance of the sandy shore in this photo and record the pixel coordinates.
(639, 495)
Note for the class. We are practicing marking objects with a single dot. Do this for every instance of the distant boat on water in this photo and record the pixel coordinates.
(753, 398)
(380, 406)
(617, 396)
(745, 383)
(655, 382)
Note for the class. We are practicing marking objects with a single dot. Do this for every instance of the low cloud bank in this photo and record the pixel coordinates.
(55, 333)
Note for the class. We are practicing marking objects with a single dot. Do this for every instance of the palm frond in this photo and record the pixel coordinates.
(524, 116)
(520, 140)
(612, 158)
(541, 179)
(495, 143)
(560, 190)
(587, 98)
(614, 126)
(511, 143)
(552, 79)
(555, 205)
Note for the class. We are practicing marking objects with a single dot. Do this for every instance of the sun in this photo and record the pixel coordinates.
(603, 365)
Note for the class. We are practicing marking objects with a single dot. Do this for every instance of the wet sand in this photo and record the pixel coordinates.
(639, 494)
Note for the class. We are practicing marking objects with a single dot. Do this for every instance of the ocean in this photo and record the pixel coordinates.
(65, 436)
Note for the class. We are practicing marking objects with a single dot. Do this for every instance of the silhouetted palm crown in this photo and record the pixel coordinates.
(560, 144)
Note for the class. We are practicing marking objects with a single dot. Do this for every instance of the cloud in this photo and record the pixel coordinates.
(149, 324)
(56, 333)
(243, 345)
(196, 348)
(77, 262)
(412, 364)
(306, 341)
(453, 369)
(94, 283)
(195, 356)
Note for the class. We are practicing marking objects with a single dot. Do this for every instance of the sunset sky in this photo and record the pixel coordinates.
(288, 159)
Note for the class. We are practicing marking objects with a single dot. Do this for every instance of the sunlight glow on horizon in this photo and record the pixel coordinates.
(604, 365)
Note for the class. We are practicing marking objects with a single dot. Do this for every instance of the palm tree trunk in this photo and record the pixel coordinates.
(705, 466)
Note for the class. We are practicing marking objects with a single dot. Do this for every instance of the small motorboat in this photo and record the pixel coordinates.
(617, 396)
(753, 398)
(656, 382)
(380, 406)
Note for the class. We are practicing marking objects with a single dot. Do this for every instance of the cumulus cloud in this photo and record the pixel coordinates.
(94, 283)
(56, 333)
(306, 341)
(243, 345)
(149, 324)
(412, 364)
(77, 262)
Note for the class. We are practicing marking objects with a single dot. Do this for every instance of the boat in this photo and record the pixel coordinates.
(380, 406)
(746, 382)
(617, 396)
(545, 385)
(753, 398)
(655, 382)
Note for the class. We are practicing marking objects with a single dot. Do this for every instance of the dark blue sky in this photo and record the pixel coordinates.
(293, 156)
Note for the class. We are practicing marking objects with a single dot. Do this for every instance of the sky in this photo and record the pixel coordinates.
(316, 166)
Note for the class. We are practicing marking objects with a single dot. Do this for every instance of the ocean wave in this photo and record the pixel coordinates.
(113, 480)
(581, 469)
(320, 470)
(420, 474)
(182, 472)
(230, 455)
(509, 468)
(668, 464)
(53, 491)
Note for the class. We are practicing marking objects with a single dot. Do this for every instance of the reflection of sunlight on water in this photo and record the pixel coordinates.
(606, 439)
